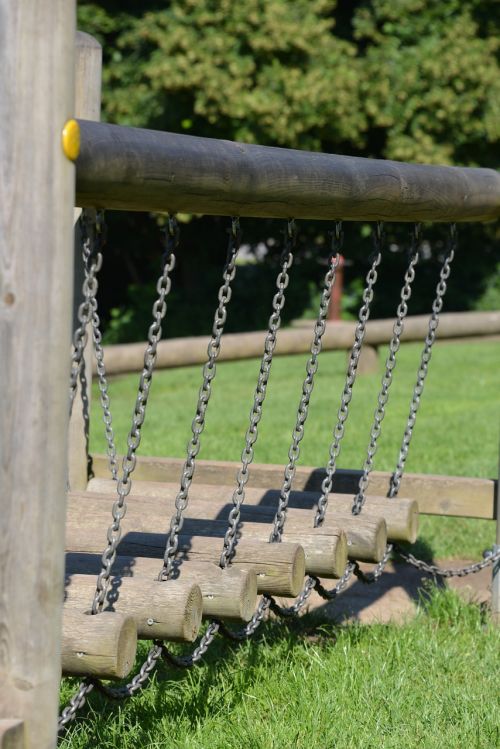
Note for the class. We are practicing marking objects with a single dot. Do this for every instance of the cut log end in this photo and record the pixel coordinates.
(103, 645)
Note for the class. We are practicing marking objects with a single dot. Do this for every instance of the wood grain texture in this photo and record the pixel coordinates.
(103, 645)
(88, 64)
(36, 285)
(339, 335)
(147, 170)
(11, 734)
(226, 594)
(214, 503)
(461, 496)
(161, 610)
(278, 567)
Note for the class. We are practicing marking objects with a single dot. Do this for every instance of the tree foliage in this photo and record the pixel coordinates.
(414, 80)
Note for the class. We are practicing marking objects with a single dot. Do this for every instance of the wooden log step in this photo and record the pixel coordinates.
(103, 645)
(280, 568)
(161, 610)
(366, 534)
(460, 496)
(226, 594)
(325, 549)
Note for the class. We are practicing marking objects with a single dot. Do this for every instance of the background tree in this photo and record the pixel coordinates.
(413, 80)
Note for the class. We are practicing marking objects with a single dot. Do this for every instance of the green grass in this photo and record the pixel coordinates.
(431, 683)
(457, 430)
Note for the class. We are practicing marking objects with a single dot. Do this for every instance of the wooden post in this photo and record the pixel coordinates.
(11, 734)
(88, 64)
(37, 39)
(495, 582)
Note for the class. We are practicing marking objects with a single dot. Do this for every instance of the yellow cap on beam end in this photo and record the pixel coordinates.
(71, 139)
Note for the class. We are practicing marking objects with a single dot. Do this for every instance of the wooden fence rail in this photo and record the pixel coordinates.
(180, 352)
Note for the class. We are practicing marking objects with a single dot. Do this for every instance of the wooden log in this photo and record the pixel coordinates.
(103, 645)
(325, 549)
(146, 170)
(88, 64)
(226, 594)
(180, 352)
(11, 734)
(460, 496)
(366, 539)
(161, 610)
(36, 271)
(278, 567)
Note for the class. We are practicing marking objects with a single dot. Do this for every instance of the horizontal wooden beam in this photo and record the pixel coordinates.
(146, 170)
(461, 496)
(182, 352)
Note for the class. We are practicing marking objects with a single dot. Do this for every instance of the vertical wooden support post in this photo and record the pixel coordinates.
(495, 582)
(88, 64)
(37, 39)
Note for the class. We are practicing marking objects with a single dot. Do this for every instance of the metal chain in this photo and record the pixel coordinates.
(343, 412)
(491, 557)
(92, 241)
(94, 233)
(390, 363)
(124, 485)
(198, 423)
(193, 448)
(364, 313)
(186, 661)
(329, 595)
(252, 431)
(437, 306)
(260, 394)
(308, 383)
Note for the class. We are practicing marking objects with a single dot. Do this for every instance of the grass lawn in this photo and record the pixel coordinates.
(430, 683)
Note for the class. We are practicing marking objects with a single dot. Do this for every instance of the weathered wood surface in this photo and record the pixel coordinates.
(462, 496)
(146, 170)
(339, 335)
(226, 594)
(36, 285)
(88, 63)
(214, 503)
(103, 645)
(11, 734)
(161, 610)
(278, 567)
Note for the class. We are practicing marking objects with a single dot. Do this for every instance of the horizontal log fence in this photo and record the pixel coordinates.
(181, 352)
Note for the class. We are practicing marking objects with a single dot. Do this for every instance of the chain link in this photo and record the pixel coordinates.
(308, 383)
(198, 423)
(343, 412)
(437, 306)
(93, 238)
(491, 557)
(260, 394)
(390, 363)
(124, 485)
